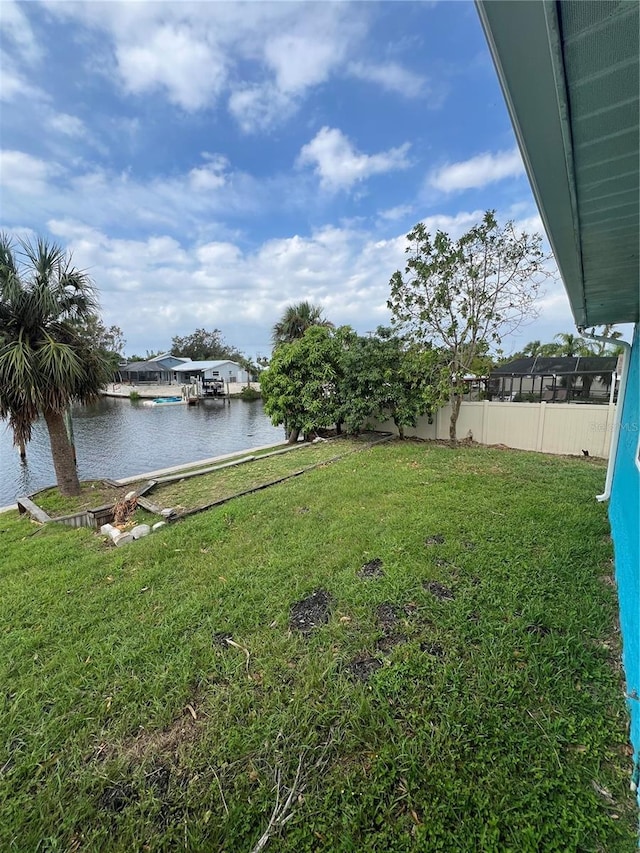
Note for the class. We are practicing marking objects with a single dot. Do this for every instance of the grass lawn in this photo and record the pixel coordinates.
(93, 493)
(463, 694)
(207, 488)
(201, 490)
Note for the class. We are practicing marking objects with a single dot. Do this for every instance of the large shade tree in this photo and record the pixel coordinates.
(385, 376)
(295, 321)
(46, 363)
(465, 295)
(204, 345)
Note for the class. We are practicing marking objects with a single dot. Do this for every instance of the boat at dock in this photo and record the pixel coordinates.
(166, 401)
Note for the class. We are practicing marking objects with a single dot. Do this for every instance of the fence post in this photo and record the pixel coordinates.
(485, 425)
(542, 408)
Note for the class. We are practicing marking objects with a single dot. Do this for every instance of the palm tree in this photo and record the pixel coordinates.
(295, 321)
(572, 345)
(532, 349)
(45, 364)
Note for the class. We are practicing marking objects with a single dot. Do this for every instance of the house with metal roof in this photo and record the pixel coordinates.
(224, 371)
(569, 72)
(158, 369)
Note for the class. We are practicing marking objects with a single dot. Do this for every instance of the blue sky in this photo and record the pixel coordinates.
(209, 163)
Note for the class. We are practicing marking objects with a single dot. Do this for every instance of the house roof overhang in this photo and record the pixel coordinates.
(570, 76)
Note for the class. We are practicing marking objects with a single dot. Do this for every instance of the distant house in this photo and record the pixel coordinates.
(158, 369)
(168, 369)
(556, 379)
(209, 371)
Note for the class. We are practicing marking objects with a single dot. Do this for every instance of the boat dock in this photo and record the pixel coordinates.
(151, 390)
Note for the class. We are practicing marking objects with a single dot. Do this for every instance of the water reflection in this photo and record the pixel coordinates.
(118, 438)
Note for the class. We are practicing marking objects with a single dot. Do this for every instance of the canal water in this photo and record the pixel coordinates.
(119, 438)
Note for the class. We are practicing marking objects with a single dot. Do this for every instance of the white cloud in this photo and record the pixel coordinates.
(14, 24)
(478, 171)
(160, 286)
(211, 176)
(24, 174)
(455, 225)
(301, 61)
(174, 59)
(264, 56)
(392, 214)
(156, 288)
(14, 86)
(390, 76)
(339, 165)
(260, 107)
(67, 125)
(105, 199)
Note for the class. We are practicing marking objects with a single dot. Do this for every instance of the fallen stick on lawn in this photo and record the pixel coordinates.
(242, 649)
(280, 814)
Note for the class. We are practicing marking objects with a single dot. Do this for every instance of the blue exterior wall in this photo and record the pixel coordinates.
(624, 515)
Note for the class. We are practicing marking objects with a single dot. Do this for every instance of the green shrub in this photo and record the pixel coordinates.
(133, 395)
(249, 393)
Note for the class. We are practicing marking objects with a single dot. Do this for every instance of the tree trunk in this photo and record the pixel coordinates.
(455, 411)
(62, 452)
(293, 435)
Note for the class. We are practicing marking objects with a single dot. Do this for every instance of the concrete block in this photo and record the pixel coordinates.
(158, 525)
(140, 530)
(123, 539)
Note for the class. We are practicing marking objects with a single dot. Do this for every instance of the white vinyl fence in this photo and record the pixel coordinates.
(565, 428)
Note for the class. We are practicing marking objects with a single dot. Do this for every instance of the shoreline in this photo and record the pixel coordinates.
(125, 481)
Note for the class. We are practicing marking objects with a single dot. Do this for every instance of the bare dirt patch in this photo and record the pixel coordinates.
(372, 569)
(434, 649)
(438, 539)
(220, 639)
(161, 744)
(538, 630)
(388, 616)
(439, 590)
(390, 641)
(311, 612)
(362, 667)
(158, 780)
(117, 797)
